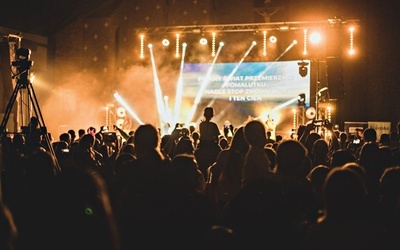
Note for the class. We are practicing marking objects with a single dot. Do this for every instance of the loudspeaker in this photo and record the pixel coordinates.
(335, 78)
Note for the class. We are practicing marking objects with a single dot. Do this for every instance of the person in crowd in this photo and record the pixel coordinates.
(85, 154)
(85, 217)
(225, 175)
(341, 157)
(209, 130)
(320, 152)
(257, 164)
(81, 132)
(8, 228)
(388, 214)
(345, 223)
(255, 191)
(141, 190)
(317, 178)
(208, 148)
(343, 139)
(73, 135)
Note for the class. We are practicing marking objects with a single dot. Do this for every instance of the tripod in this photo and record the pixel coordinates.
(22, 83)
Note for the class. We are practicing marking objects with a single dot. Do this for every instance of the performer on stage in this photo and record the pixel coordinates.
(270, 126)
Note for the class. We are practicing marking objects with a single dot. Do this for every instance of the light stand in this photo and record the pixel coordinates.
(301, 104)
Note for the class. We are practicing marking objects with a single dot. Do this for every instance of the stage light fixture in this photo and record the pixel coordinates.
(273, 39)
(315, 38)
(305, 42)
(303, 70)
(264, 43)
(196, 31)
(213, 35)
(177, 42)
(203, 41)
(351, 47)
(165, 42)
(301, 100)
(284, 28)
(141, 55)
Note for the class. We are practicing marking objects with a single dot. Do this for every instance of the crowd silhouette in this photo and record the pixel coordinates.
(197, 189)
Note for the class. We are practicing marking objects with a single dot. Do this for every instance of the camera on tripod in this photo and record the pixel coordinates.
(23, 64)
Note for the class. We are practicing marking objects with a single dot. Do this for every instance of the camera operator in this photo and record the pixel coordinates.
(34, 135)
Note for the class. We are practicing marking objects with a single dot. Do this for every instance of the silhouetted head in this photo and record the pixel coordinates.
(341, 157)
(357, 168)
(320, 147)
(87, 141)
(72, 133)
(370, 135)
(343, 137)
(390, 185)
(186, 172)
(318, 175)
(344, 195)
(208, 112)
(66, 137)
(239, 142)
(290, 157)
(254, 132)
(147, 137)
(185, 145)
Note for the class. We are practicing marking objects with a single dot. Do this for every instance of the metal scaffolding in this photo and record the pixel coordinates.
(249, 27)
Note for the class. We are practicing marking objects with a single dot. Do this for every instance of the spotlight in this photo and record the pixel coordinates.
(273, 39)
(301, 100)
(165, 42)
(303, 70)
(315, 38)
(203, 41)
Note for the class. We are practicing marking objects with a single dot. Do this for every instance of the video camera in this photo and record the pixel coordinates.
(23, 64)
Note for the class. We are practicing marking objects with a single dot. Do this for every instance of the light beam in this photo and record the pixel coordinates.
(126, 106)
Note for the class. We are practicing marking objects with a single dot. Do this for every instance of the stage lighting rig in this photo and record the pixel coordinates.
(303, 70)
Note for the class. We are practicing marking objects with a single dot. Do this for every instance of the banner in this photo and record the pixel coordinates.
(380, 127)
